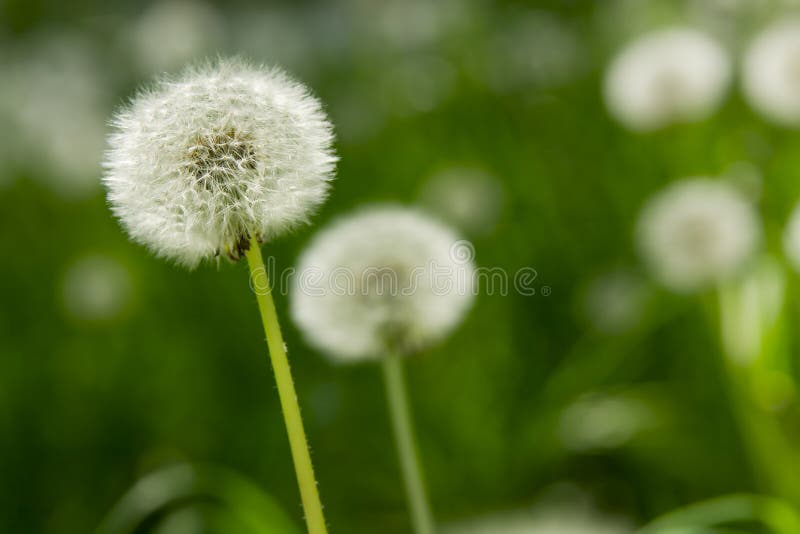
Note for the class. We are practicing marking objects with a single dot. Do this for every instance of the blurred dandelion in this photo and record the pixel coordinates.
(770, 72)
(172, 32)
(468, 198)
(369, 283)
(697, 232)
(602, 421)
(96, 288)
(614, 302)
(672, 75)
(384, 283)
(215, 162)
(53, 98)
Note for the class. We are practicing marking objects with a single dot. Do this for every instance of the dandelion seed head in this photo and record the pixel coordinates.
(669, 76)
(385, 278)
(771, 72)
(198, 164)
(697, 232)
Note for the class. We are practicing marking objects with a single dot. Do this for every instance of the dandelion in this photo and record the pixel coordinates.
(770, 73)
(383, 279)
(217, 161)
(700, 233)
(227, 152)
(385, 283)
(697, 232)
(670, 76)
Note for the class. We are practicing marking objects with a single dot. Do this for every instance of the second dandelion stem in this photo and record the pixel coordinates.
(399, 412)
(315, 520)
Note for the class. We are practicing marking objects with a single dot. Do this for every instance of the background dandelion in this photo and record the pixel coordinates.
(697, 232)
(667, 76)
(384, 284)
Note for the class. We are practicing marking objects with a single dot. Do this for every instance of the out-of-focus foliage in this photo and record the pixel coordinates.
(114, 363)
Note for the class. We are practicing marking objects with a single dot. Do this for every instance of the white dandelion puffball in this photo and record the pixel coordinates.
(670, 76)
(385, 278)
(227, 151)
(791, 238)
(771, 72)
(697, 232)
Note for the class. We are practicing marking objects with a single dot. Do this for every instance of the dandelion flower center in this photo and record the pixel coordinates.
(217, 157)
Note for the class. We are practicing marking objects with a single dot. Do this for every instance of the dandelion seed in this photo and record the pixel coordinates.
(697, 232)
(228, 151)
(771, 72)
(670, 76)
(384, 278)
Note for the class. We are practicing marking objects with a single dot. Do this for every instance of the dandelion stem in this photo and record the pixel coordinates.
(771, 456)
(399, 411)
(315, 521)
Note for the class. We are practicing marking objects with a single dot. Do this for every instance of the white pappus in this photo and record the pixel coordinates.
(386, 278)
(199, 164)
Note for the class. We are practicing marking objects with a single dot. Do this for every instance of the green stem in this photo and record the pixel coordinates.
(397, 401)
(315, 520)
(771, 456)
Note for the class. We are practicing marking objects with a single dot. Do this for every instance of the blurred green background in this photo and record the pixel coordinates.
(599, 396)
